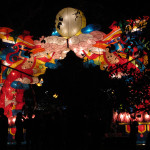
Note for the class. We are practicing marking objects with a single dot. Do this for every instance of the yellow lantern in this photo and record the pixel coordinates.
(55, 95)
(69, 22)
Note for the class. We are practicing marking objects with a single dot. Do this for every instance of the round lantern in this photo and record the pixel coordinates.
(69, 22)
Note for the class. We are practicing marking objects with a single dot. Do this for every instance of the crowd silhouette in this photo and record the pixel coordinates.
(59, 130)
(19, 136)
(3, 130)
(62, 130)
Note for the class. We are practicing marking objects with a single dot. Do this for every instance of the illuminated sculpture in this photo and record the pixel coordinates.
(122, 52)
(20, 67)
(118, 52)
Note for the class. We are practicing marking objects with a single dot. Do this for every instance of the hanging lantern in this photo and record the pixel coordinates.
(115, 116)
(69, 22)
(127, 117)
(146, 117)
(121, 117)
(139, 117)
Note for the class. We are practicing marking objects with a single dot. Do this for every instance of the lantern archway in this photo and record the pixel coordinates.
(123, 53)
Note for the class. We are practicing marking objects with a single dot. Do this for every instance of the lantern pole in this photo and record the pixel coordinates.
(67, 43)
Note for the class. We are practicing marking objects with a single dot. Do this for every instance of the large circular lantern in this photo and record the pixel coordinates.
(69, 22)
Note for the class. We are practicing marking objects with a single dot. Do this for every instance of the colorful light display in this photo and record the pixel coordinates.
(21, 66)
(24, 59)
(123, 53)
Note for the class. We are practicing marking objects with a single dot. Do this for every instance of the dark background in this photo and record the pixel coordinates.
(39, 17)
(76, 85)
(80, 89)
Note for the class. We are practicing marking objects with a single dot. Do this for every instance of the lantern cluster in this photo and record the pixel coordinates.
(123, 53)
(125, 117)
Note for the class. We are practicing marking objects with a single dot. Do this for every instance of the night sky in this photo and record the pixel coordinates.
(75, 84)
(39, 17)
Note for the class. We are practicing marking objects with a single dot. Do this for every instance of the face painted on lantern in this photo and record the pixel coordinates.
(111, 57)
(29, 63)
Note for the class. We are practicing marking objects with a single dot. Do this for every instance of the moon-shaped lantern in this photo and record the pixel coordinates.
(69, 22)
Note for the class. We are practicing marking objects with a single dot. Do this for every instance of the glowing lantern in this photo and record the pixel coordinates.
(40, 83)
(115, 116)
(146, 117)
(127, 117)
(13, 120)
(69, 22)
(55, 95)
(139, 117)
(121, 117)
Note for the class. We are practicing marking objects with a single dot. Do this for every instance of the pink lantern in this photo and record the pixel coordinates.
(121, 117)
(127, 117)
(146, 117)
(115, 116)
(139, 117)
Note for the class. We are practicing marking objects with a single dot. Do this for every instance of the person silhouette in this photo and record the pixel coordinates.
(28, 125)
(19, 137)
(37, 132)
(133, 134)
(147, 146)
(3, 130)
